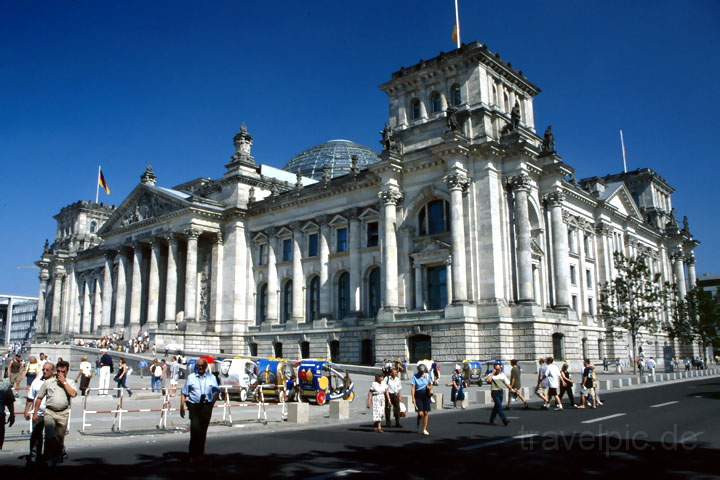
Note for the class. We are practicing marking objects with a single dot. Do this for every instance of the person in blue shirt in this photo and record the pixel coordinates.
(198, 396)
(420, 392)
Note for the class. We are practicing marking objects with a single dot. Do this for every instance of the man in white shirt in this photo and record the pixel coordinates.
(394, 386)
(498, 382)
(541, 387)
(552, 373)
(651, 365)
(36, 437)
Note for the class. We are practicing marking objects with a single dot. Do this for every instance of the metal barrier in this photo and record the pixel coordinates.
(119, 409)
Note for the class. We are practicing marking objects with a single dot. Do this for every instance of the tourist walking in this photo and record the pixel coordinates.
(394, 387)
(498, 381)
(106, 368)
(36, 435)
(32, 370)
(541, 386)
(420, 392)
(84, 375)
(156, 374)
(516, 384)
(457, 387)
(377, 397)
(552, 372)
(7, 400)
(57, 390)
(15, 369)
(198, 397)
(566, 385)
(122, 377)
(174, 376)
(588, 386)
(651, 365)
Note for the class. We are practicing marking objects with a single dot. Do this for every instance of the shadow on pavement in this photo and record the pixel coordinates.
(552, 455)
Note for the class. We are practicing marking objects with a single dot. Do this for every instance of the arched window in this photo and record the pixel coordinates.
(304, 349)
(434, 217)
(506, 102)
(558, 342)
(415, 109)
(287, 301)
(334, 347)
(313, 300)
(262, 303)
(373, 289)
(93, 226)
(435, 102)
(495, 95)
(455, 95)
(343, 294)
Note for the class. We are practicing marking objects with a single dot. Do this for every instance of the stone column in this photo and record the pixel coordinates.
(325, 307)
(97, 307)
(523, 255)
(136, 289)
(390, 197)
(55, 315)
(42, 299)
(191, 275)
(86, 308)
(457, 182)
(355, 267)
(272, 280)
(171, 282)
(692, 274)
(107, 291)
(153, 285)
(679, 271)
(560, 249)
(449, 270)
(419, 300)
(298, 302)
(121, 290)
(216, 283)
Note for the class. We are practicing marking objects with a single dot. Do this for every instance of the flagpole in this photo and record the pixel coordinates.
(457, 24)
(97, 186)
(622, 146)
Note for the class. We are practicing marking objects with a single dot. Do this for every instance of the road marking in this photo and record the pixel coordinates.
(498, 442)
(690, 437)
(664, 404)
(604, 418)
(346, 472)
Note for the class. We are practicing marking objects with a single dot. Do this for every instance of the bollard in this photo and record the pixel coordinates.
(339, 409)
(617, 383)
(626, 382)
(438, 403)
(482, 397)
(298, 412)
(606, 384)
(634, 381)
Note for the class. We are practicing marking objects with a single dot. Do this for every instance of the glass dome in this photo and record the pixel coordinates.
(335, 154)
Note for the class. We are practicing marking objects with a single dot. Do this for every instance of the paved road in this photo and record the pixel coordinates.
(671, 431)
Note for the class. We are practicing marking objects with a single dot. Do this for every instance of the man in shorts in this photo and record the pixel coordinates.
(515, 384)
(541, 386)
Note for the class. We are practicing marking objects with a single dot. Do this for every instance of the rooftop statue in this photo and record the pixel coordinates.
(548, 145)
(451, 118)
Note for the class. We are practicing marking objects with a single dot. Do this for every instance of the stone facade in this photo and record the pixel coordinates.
(469, 238)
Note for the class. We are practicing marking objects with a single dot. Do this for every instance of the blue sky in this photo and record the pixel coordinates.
(169, 83)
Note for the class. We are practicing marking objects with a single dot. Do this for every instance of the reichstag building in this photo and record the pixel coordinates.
(467, 236)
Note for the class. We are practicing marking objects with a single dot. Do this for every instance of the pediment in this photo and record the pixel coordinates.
(622, 200)
(144, 205)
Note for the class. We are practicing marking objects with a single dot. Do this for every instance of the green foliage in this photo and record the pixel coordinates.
(702, 318)
(633, 300)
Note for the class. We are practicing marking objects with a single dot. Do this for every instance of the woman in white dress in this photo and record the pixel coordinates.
(377, 396)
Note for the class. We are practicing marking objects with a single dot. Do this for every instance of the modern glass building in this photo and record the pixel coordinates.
(17, 317)
(335, 154)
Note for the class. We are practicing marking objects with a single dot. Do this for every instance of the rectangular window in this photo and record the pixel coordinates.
(342, 243)
(573, 276)
(571, 244)
(588, 278)
(588, 247)
(373, 234)
(313, 245)
(591, 306)
(287, 255)
(574, 302)
(262, 254)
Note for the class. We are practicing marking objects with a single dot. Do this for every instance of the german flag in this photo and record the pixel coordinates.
(103, 183)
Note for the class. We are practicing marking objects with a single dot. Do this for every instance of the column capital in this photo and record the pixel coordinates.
(555, 199)
(192, 233)
(602, 228)
(676, 255)
(690, 258)
(457, 179)
(390, 195)
(520, 182)
(169, 237)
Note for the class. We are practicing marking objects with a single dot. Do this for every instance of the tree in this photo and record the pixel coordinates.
(703, 318)
(633, 299)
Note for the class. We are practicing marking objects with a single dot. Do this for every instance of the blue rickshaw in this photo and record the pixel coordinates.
(473, 372)
(320, 381)
(273, 375)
